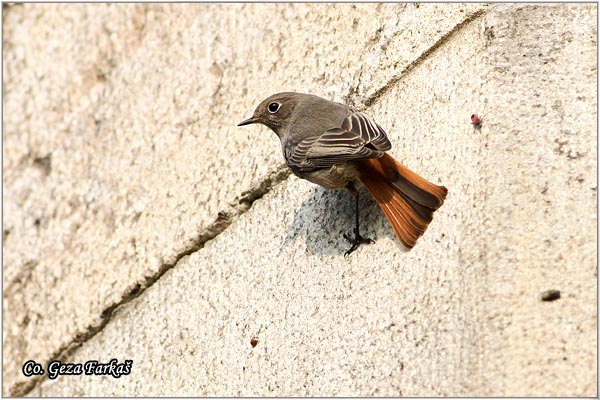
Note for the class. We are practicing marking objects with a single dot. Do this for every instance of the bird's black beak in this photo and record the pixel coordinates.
(248, 121)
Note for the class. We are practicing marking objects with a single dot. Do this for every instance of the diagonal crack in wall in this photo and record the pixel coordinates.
(224, 219)
(444, 39)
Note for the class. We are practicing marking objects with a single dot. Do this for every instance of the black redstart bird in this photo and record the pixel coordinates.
(339, 147)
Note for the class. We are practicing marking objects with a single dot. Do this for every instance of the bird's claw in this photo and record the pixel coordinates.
(356, 241)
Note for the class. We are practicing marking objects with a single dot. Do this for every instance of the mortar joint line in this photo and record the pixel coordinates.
(370, 100)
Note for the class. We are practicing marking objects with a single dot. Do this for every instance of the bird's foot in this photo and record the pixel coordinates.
(356, 241)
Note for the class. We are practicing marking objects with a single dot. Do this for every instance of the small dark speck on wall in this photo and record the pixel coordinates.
(550, 295)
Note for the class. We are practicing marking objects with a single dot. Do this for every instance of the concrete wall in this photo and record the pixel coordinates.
(140, 223)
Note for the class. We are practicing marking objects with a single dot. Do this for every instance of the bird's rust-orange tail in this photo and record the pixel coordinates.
(407, 200)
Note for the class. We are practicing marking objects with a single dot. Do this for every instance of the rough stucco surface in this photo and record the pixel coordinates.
(122, 171)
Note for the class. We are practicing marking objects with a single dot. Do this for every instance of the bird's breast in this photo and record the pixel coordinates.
(335, 177)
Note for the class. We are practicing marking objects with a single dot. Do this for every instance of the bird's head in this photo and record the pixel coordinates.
(275, 111)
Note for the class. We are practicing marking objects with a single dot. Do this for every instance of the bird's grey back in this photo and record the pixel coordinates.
(312, 117)
(322, 133)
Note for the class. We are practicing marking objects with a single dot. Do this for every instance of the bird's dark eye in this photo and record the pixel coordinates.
(274, 107)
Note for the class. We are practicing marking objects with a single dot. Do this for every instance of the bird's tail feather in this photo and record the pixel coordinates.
(407, 200)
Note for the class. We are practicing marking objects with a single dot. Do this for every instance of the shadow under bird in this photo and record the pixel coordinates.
(339, 147)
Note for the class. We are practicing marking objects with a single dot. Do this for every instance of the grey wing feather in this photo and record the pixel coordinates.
(365, 127)
(358, 137)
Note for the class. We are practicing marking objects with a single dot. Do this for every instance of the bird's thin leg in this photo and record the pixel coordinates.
(358, 239)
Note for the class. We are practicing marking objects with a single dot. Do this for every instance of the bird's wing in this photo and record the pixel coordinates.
(358, 137)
